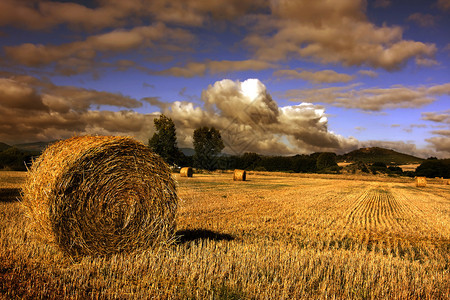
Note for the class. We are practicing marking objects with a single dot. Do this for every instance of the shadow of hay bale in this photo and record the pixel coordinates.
(9, 195)
(184, 236)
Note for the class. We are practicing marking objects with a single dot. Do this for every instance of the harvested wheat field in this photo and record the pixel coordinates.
(274, 236)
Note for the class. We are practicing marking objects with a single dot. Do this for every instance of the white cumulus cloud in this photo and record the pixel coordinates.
(251, 121)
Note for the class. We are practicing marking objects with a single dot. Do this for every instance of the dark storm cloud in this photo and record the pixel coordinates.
(34, 110)
(371, 99)
(439, 117)
(275, 31)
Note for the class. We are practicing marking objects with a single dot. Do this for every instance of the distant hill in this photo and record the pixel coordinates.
(40, 146)
(33, 147)
(376, 154)
(4, 146)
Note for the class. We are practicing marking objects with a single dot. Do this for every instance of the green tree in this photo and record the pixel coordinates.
(326, 160)
(13, 159)
(396, 170)
(164, 141)
(249, 160)
(378, 167)
(208, 144)
(304, 164)
(433, 167)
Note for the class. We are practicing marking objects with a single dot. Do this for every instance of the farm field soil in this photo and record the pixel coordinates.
(275, 236)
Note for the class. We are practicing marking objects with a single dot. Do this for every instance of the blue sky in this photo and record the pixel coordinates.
(275, 77)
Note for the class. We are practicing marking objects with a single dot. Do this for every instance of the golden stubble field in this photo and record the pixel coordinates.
(275, 236)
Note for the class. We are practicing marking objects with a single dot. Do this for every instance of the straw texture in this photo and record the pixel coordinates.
(421, 181)
(100, 195)
(186, 172)
(239, 175)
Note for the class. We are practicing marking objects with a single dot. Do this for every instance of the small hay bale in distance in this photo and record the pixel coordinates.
(421, 181)
(186, 172)
(239, 175)
(440, 180)
(99, 195)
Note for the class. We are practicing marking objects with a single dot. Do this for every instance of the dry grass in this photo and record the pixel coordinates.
(100, 195)
(272, 237)
(10, 185)
(409, 167)
(343, 164)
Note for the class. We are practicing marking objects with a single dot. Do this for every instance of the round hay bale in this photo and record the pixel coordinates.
(186, 172)
(100, 195)
(239, 175)
(421, 181)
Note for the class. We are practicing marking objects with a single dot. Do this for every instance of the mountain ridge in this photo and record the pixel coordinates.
(4, 146)
(377, 154)
(33, 147)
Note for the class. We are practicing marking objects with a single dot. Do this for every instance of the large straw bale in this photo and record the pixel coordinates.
(186, 172)
(421, 181)
(239, 175)
(100, 195)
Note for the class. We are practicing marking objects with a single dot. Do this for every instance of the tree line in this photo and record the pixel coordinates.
(208, 146)
(16, 160)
